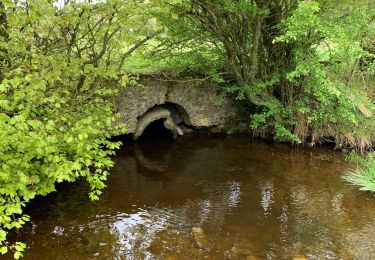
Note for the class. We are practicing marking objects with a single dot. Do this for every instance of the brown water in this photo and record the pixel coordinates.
(251, 200)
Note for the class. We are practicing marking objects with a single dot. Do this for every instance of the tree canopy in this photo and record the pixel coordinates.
(306, 66)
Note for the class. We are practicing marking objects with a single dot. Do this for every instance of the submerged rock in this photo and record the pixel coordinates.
(242, 250)
(199, 237)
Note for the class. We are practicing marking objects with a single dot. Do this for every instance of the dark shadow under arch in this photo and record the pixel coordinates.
(168, 116)
(156, 130)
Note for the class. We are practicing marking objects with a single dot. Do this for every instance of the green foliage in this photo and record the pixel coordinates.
(178, 50)
(307, 66)
(60, 68)
(327, 50)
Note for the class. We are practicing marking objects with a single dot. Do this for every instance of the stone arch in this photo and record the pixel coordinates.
(172, 115)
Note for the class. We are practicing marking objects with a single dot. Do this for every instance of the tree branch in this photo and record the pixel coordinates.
(137, 45)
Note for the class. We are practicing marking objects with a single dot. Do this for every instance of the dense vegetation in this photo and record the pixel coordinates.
(60, 67)
(306, 68)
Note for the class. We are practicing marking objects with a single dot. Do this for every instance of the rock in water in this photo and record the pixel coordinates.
(199, 237)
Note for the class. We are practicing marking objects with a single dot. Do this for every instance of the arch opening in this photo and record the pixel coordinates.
(156, 131)
(160, 120)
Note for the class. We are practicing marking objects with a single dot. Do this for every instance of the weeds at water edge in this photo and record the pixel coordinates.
(364, 174)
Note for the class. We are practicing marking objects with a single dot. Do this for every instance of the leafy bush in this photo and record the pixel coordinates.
(60, 67)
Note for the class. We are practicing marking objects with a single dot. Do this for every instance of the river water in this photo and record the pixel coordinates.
(209, 198)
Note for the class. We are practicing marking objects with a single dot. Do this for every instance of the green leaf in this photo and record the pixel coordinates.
(17, 255)
(3, 250)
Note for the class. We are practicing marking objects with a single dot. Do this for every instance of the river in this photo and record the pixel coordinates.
(209, 198)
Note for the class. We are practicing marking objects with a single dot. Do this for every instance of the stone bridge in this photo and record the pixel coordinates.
(182, 107)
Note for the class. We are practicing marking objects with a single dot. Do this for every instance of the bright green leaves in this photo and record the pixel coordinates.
(9, 208)
(304, 21)
(327, 81)
(3, 235)
(3, 249)
(18, 247)
(56, 88)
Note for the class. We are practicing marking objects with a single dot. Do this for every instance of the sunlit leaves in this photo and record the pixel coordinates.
(328, 44)
(314, 65)
(55, 99)
(303, 21)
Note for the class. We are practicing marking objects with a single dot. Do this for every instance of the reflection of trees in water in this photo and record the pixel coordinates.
(272, 202)
(267, 193)
(304, 215)
(137, 233)
(320, 223)
(147, 229)
(314, 214)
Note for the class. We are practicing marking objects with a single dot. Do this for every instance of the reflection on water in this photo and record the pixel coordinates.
(252, 201)
(266, 186)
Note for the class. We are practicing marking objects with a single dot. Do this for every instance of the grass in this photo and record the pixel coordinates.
(364, 174)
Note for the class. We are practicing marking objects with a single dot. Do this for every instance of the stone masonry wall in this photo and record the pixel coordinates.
(196, 99)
